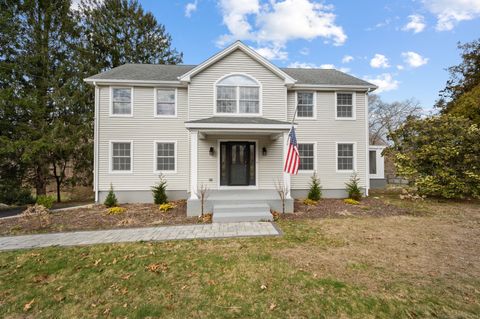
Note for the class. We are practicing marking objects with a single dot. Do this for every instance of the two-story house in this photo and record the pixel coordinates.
(224, 124)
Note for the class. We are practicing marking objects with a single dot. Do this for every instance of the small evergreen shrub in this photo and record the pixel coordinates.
(111, 200)
(159, 191)
(353, 187)
(116, 210)
(315, 192)
(350, 201)
(46, 201)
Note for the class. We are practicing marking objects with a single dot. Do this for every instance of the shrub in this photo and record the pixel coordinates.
(315, 192)
(15, 195)
(116, 210)
(353, 188)
(166, 207)
(310, 202)
(159, 191)
(439, 155)
(111, 200)
(206, 218)
(45, 200)
(351, 201)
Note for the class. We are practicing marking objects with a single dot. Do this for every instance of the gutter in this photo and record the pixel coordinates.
(96, 142)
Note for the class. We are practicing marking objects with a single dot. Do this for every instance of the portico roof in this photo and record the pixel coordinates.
(238, 122)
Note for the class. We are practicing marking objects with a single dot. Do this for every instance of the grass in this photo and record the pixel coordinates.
(414, 266)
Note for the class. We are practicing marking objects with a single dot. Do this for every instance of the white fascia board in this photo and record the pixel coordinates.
(135, 82)
(249, 51)
(238, 126)
(332, 87)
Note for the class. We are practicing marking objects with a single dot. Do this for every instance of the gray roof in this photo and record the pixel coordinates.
(323, 77)
(144, 72)
(161, 72)
(237, 120)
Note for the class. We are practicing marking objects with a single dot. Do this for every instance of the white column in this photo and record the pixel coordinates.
(193, 164)
(286, 176)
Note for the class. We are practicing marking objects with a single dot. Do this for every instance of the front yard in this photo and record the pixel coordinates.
(423, 262)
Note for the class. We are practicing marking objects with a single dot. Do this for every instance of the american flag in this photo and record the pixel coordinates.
(292, 161)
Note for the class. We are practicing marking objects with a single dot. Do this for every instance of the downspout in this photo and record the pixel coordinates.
(96, 142)
(367, 142)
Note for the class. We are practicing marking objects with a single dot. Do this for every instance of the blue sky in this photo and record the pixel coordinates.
(402, 46)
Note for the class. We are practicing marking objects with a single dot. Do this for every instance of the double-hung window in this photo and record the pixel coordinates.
(345, 157)
(165, 103)
(237, 94)
(345, 106)
(121, 156)
(307, 156)
(165, 156)
(121, 102)
(305, 104)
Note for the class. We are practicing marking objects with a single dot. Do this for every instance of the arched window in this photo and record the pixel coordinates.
(238, 94)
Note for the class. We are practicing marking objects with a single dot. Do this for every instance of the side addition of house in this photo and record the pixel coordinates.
(224, 124)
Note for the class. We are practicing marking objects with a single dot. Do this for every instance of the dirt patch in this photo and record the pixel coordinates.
(96, 217)
(336, 208)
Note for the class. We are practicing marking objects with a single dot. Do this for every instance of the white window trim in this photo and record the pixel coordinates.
(260, 99)
(155, 94)
(110, 168)
(314, 117)
(220, 187)
(354, 106)
(354, 158)
(310, 171)
(155, 145)
(111, 101)
(380, 162)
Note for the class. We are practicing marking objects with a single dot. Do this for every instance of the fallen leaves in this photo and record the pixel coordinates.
(28, 305)
(97, 262)
(272, 306)
(263, 287)
(157, 267)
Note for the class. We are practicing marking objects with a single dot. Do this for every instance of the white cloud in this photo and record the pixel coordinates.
(414, 59)
(347, 59)
(385, 82)
(305, 51)
(272, 53)
(450, 12)
(379, 61)
(190, 8)
(306, 65)
(344, 70)
(416, 23)
(272, 24)
(400, 67)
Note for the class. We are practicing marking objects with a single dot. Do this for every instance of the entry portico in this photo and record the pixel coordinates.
(238, 158)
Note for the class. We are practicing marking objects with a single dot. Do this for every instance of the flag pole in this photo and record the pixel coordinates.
(293, 121)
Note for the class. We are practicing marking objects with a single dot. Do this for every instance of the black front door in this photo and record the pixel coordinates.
(237, 163)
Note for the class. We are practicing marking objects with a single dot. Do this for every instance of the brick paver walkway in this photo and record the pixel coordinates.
(226, 230)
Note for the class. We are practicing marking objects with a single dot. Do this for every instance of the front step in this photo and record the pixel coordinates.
(241, 213)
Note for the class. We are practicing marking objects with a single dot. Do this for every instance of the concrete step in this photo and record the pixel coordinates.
(241, 208)
(242, 217)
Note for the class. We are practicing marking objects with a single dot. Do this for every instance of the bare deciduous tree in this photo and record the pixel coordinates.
(385, 118)
(282, 191)
(202, 193)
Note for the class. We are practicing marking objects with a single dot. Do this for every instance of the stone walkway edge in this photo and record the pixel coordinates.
(124, 235)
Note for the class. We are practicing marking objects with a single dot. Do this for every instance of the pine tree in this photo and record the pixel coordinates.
(159, 191)
(111, 199)
(353, 187)
(315, 192)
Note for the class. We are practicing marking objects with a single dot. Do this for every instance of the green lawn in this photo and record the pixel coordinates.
(390, 267)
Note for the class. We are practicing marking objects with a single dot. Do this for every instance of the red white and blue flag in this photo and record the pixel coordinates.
(292, 161)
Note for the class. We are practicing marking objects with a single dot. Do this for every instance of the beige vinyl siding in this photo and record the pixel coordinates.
(202, 99)
(269, 168)
(142, 129)
(326, 132)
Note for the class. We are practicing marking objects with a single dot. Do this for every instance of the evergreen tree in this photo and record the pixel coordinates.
(315, 192)
(353, 187)
(111, 199)
(159, 191)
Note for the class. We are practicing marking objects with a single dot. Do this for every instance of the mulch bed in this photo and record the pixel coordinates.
(336, 208)
(96, 217)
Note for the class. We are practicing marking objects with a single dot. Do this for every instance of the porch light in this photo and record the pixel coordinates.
(264, 151)
(211, 151)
